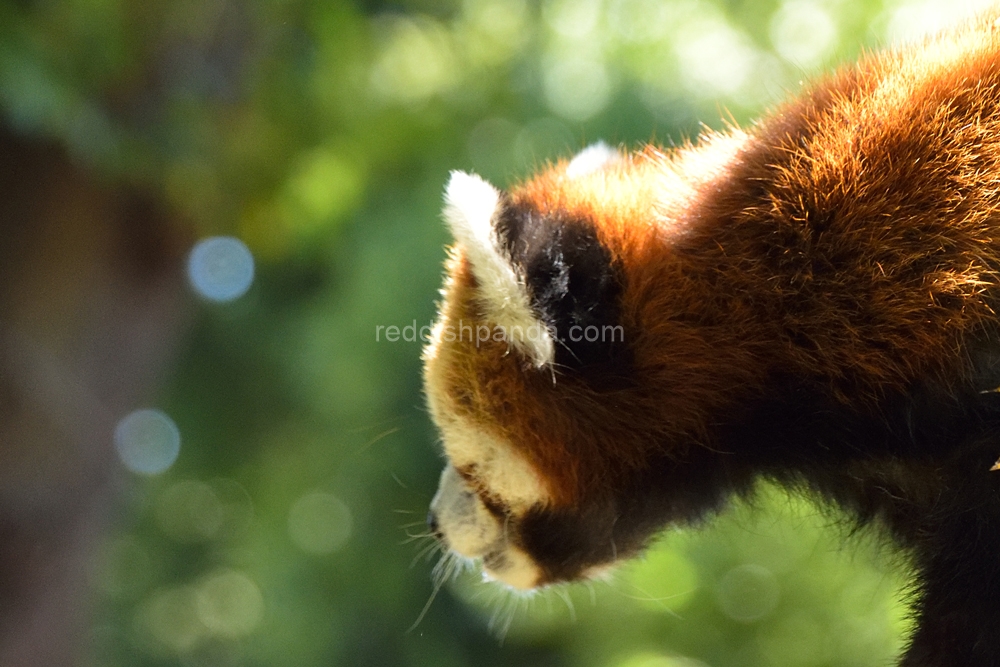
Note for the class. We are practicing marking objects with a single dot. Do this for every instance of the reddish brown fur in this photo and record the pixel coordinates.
(849, 240)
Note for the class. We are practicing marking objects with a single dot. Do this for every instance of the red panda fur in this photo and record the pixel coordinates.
(845, 250)
(904, 148)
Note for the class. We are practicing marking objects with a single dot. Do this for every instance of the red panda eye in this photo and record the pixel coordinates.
(468, 473)
(494, 505)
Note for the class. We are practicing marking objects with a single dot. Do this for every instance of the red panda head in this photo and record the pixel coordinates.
(547, 369)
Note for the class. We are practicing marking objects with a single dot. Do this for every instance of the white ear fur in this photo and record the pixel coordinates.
(590, 159)
(470, 208)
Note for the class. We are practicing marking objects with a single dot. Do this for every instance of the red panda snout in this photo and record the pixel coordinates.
(470, 529)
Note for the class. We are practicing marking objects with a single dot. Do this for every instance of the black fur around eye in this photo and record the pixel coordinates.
(495, 506)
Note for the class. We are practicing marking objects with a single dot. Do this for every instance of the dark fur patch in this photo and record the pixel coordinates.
(574, 285)
(564, 542)
(880, 466)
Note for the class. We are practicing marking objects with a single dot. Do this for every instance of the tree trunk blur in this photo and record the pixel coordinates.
(91, 304)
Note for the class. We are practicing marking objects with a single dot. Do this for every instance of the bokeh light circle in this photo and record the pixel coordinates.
(220, 268)
(229, 603)
(170, 617)
(748, 593)
(319, 523)
(189, 511)
(147, 441)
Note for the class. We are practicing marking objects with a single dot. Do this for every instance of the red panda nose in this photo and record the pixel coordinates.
(432, 525)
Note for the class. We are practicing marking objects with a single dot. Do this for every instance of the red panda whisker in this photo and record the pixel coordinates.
(417, 537)
(564, 595)
(591, 591)
(503, 615)
(659, 601)
(423, 612)
(426, 552)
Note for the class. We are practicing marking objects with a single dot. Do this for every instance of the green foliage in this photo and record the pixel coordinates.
(321, 133)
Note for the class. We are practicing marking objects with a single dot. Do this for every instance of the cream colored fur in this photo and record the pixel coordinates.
(470, 530)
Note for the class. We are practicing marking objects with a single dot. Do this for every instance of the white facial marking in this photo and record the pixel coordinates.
(470, 530)
(505, 473)
(466, 523)
(514, 568)
(590, 159)
(467, 526)
(471, 206)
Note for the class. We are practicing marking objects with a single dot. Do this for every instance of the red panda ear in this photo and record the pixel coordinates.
(472, 210)
(573, 282)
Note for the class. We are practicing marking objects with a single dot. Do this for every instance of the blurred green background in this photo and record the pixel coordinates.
(320, 133)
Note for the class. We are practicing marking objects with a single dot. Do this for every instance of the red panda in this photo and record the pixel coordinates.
(627, 341)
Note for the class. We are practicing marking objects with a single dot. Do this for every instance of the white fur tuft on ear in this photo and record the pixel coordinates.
(590, 159)
(470, 203)
(470, 209)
